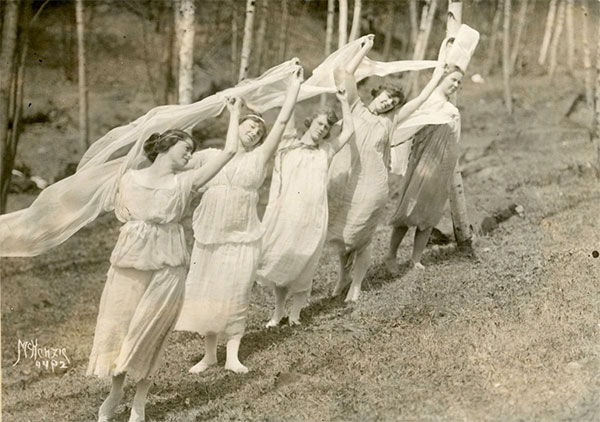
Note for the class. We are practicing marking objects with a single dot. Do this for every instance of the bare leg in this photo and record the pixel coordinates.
(421, 238)
(280, 297)
(299, 300)
(343, 276)
(398, 234)
(139, 401)
(107, 410)
(233, 362)
(361, 265)
(210, 355)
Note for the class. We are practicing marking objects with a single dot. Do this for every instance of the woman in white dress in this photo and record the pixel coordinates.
(146, 281)
(358, 179)
(227, 236)
(295, 221)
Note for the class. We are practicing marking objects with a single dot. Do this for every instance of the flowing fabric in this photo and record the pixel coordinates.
(65, 207)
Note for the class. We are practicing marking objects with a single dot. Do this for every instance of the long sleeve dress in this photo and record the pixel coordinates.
(226, 250)
(358, 181)
(145, 284)
(295, 220)
(431, 164)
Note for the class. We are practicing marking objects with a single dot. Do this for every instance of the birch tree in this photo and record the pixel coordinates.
(285, 16)
(560, 19)
(587, 61)
(519, 31)
(389, 31)
(234, 40)
(247, 41)
(427, 16)
(7, 63)
(506, 56)
(491, 60)
(262, 30)
(82, 80)
(186, 51)
(597, 98)
(548, 32)
(356, 18)
(343, 23)
(570, 37)
(414, 24)
(328, 38)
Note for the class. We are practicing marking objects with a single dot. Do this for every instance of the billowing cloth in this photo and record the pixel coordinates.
(424, 188)
(358, 181)
(63, 208)
(227, 247)
(146, 281)
(295, 220)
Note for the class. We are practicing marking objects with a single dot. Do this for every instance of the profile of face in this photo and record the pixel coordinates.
(383, 103)
(451, 82)
(180, 153)
(319, 128)
(250, 133)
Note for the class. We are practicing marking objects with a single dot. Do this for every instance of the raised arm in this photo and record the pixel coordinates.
(347, 122)
(349, 80)
(206, 172)
(270, 145)
(411, 106)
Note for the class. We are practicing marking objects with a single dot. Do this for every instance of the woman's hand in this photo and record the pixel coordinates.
(297, 76)
(368, 41)
(234, 104)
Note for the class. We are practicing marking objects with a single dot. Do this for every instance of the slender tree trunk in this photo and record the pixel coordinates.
(597, 98)
(427, 17)
(343, 23)
(389, 33)
(587, 61)
(262, 30)
(285, 18)
(234, 41)
(247, 42)
(492, 58)
(414, 24)
(560, 20)
(169, 55)
(186, 51)
(517, 42)
(506, 56)
(458, 203)
(84, 132)
(7, 64)
(570, 37)
(356, 18)
(328, 38)
(548, 32)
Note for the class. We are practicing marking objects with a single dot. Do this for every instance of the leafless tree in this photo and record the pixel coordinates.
(84, 132)
(186, 51)
(522, 18)
(548, 32)
(247, 41)
(560, 20)
(262, 31)
(343, 23)
(506, 56)
(492, 57)
(356, 18)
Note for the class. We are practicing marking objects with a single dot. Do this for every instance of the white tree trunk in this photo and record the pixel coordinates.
(285, 17)
(414, 24)
(506, 56)
(82, 80)
(356, 18)
(560, 20)
(328, 38)
(587, 61)
(262, 30)
(427, 17)
(343, 24)
(517, 42)
(570, 37)
(247, 42)
(597, 98)
(491, 60)
(548, 32)
(389, 32)
(186, 51)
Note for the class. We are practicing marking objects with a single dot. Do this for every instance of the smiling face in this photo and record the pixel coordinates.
(180, 153)
(319, 128)
(250, 133)
(450, 83)
(383, 103)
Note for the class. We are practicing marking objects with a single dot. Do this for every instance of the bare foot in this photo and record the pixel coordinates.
(236, 367)
(109, 406)
(272, 323)
(340, 286)
(202, 366)
(418, 266)
(391, 264)
(137, 414)
(353, 294)
(294, 321)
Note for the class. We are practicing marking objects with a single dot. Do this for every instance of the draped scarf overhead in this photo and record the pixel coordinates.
(66, 206)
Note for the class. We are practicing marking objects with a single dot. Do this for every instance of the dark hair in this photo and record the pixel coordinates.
(392, 90)
(452, 69)
(327, 112)
(162, 142)
(258, 118)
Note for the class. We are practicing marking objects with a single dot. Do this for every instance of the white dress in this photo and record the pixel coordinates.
(145, 284)
(226, 250)
(295, 221)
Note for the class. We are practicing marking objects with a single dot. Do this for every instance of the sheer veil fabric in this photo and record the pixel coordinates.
(66, 206)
